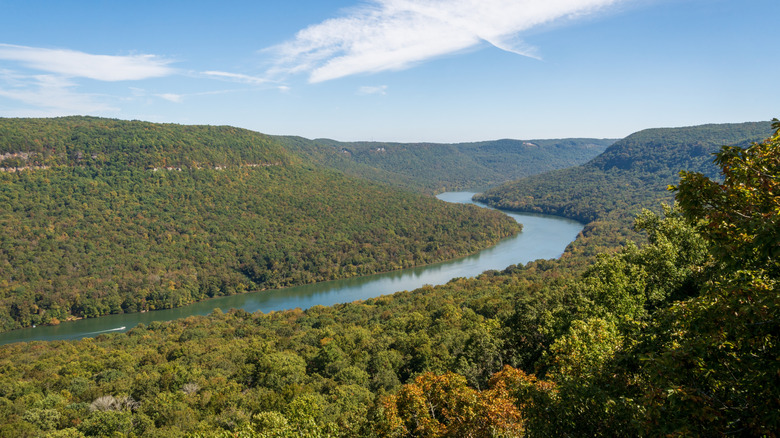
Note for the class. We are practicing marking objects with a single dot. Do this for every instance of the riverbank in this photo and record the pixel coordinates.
(543, 237)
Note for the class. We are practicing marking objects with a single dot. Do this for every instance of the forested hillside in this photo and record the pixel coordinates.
(676, 337)
(437, 167)
(102, 143)
(634, 173)
(104, 216)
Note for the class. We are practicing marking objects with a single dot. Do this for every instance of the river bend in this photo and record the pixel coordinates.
(543, 237)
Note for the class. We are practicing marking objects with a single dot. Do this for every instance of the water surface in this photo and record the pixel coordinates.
(543, 237)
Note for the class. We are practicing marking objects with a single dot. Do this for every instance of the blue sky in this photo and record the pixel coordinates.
(395, 70)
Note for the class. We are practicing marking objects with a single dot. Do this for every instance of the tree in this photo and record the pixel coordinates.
(710, 363)
(445, 406)
(741, 215)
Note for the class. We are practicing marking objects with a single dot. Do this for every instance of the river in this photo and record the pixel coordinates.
(543, 237)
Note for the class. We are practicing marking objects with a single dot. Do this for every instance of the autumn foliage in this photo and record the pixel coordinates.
(443, 405)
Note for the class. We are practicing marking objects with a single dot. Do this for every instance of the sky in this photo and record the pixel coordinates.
(395, 70)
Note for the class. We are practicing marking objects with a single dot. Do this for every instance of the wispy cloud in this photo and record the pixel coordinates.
(73, 63)
(139, 93)
(49, 94)
(50, 81)
(396, 34)
(235, 77)
(171, 97)
(381, 89)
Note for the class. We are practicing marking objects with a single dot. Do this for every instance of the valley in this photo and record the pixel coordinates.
(109, 229)
(658, 319)
(543, 237)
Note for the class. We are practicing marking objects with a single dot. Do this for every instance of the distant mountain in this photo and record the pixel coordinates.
(105, 216)
(631, 174)
(437, 167)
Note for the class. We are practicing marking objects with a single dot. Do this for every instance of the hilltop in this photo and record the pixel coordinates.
(99, 142)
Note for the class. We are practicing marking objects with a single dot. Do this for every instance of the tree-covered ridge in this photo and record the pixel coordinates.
(660, 150)
(437, 167)
(632, 173)
(678, 337)
(88, 238)
(92, 141)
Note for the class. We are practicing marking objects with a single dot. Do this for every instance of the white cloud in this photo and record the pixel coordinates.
(381, 89)
(235, 77)
(396, 34)
(72, 63)
(176, 98)
(49, 94)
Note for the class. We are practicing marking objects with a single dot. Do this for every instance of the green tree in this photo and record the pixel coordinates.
(711, 362)
(741, 215)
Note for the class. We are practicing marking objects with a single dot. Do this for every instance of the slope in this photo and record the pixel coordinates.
(105, 216)
(436, 167)
(674, 338)
(631, 174)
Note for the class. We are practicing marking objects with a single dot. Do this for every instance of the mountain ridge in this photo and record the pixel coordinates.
(607, 192)
(438, 167)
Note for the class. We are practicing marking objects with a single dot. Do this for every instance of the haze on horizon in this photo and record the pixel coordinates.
(395, 70)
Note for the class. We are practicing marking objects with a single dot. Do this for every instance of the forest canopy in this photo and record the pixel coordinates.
(674, 336)
(103, 216)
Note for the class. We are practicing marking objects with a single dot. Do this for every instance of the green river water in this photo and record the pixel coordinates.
(543, 237)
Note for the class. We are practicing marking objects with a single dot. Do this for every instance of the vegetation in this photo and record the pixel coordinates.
(610, 190)
(676, 337)
(107, 227)
(107, 143)
(435, 167)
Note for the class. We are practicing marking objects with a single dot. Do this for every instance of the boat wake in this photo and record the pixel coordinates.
(106, 331)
